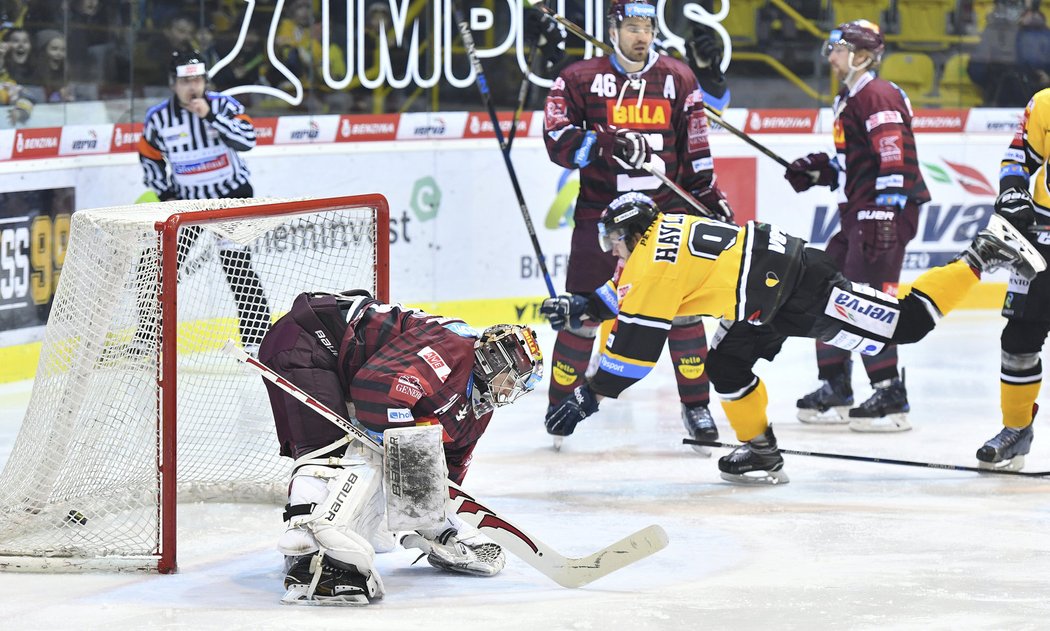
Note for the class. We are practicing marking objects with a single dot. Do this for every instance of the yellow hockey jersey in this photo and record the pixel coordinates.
(1029, 150)
(685, 266)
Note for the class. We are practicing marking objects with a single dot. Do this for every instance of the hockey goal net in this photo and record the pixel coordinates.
(134, 407)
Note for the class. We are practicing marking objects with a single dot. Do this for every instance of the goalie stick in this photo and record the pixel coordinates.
(565, 571)
(573, 28)
(877, 460)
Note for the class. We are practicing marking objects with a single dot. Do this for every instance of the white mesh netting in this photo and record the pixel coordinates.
(82, 480)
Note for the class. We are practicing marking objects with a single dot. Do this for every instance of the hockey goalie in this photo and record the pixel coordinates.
(423, 386)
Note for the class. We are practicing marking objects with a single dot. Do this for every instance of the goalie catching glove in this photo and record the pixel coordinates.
(446, 550)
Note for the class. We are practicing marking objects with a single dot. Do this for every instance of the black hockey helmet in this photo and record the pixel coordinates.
(620, 10)
(187, 63)
(857, 35)
(505, 349)
(627, 215)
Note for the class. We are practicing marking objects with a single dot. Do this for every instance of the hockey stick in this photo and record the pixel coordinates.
(486, 98)
(681, 192)
(876, 460)
(523, 91)
(565, 571)
(711, 112)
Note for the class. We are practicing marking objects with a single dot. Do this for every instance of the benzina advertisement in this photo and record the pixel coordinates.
(459, 244)
(34, 233)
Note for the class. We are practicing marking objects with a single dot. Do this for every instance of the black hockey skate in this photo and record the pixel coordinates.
(1001, 245)
(828, 404)
(886, 410)
(758, 461)
(338, 583)
(1007, 449)
(700, 426)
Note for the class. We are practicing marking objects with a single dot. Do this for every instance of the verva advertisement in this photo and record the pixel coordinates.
(456, 228)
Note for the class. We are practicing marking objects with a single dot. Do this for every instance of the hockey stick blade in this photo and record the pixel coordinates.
(877, 460)
(565, 571)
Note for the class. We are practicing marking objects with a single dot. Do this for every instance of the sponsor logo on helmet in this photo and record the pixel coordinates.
(191, 70)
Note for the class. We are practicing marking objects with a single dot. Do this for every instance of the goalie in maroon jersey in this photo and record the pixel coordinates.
(876, 172)
(613, 118)
(393, 367)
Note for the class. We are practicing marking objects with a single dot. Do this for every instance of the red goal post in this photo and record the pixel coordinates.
(134, 407)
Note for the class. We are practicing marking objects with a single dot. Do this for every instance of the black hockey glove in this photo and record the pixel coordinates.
(715, 202)
(563, 418)
(815, 169)
(565, 310)
(704, 50)
(1015, 204)
(624, 148)
(540, 30)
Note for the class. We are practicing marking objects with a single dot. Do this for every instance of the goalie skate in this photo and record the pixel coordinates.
(331, 584)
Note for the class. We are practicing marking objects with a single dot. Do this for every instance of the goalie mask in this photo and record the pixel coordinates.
(507, 364)
(628, 215)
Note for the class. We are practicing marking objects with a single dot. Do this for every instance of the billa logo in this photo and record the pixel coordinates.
(652, 114)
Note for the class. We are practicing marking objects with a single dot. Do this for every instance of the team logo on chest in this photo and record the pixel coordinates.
(651, 114)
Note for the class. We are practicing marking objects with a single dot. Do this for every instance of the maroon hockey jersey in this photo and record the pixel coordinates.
(406, 367)
(876, 148)
(663, 101)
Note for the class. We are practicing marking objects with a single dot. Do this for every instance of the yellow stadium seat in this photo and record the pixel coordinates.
(912, 72)
(981, 9)
(849, 10)
(956, 89)
(924, 23)
(741, 21)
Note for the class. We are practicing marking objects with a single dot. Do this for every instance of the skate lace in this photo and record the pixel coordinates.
(1008, 437)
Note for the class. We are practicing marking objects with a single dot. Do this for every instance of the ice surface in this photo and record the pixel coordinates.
(844, 545)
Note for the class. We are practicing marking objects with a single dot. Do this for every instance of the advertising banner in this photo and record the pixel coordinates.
(34, 233)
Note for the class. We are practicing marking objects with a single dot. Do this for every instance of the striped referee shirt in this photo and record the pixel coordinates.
(201, 152)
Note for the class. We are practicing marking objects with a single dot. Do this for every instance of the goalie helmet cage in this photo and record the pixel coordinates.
(132, 381)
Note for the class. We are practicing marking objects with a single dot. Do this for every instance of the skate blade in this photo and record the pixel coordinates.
(298, 595)
(1013, 464)
(703, 450)
(757, 478)
(888, 423)
(838, 415)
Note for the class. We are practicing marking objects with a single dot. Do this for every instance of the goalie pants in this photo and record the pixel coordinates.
(828, 307)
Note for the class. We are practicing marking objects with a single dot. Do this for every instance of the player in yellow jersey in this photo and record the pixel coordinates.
(1027, 304)
(765, 285)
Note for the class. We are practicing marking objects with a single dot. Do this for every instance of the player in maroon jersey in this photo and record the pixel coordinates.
(881, 188)
(396, 367)
(609, 116)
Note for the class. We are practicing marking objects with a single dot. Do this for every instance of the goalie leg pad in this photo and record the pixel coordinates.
(415, 477)
(346, 510)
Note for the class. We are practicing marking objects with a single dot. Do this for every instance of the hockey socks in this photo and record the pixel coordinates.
(947, 285)
(569, 361)
(746, 410)
(1018, 390)
(688, 346)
